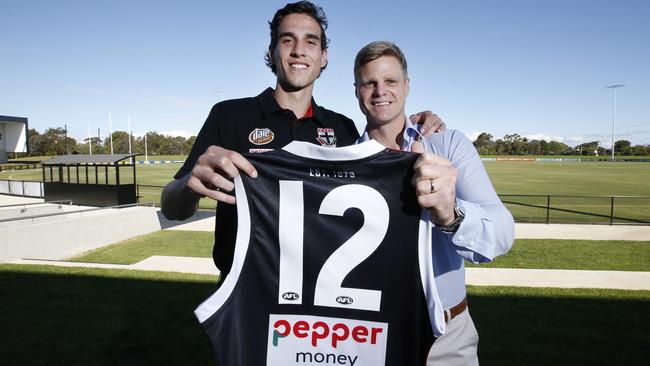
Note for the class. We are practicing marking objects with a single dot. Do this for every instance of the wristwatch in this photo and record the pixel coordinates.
(453, 226)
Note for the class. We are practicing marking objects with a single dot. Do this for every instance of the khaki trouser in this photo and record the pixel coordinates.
(458, 346)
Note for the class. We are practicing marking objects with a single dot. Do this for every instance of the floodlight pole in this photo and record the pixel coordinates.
(65, 137)
(110, 130)
(146, 157)
(614, 86)
(130, 133)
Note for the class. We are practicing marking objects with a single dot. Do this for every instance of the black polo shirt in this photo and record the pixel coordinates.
(259, 124)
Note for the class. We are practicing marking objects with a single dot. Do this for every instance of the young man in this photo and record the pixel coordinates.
(297, 54)
(451, 182)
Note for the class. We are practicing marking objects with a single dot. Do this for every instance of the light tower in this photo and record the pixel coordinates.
(614, 86)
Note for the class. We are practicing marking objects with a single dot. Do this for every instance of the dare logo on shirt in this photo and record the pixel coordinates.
(261, 136)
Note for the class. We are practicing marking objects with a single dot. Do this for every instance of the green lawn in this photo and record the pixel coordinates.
(567, 178)
(171, 242)
(526, 253)
(617, 255)
(542, 326)
(81, 316)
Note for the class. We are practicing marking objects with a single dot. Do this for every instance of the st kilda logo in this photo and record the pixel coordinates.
(261, 136)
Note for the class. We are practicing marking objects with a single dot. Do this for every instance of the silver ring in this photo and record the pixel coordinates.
(433, 187)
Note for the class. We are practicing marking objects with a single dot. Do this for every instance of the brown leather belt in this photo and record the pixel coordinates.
(455, 310)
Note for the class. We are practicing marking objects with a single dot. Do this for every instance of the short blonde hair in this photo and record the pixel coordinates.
(375, 50)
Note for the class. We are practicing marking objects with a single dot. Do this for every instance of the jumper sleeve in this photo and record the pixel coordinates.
(488, 228)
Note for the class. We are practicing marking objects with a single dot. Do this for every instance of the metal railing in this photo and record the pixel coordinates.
(80, 211)
(33, 189)
(578, 209)
(543, 208)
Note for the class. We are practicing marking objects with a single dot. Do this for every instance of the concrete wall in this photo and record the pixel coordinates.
(64, 236)
(3, 144)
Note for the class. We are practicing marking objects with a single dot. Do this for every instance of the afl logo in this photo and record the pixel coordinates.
(344, 300)
(290, 296)
(261, 136)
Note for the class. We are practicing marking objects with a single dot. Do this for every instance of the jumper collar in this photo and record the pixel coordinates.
(269, 105)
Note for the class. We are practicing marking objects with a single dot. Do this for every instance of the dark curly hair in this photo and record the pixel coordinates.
(300, 7)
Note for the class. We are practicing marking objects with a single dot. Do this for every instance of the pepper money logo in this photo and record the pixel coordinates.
(313, 340)
(261, 136)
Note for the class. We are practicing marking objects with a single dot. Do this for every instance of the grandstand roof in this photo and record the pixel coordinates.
(13, 119)
(87, 159)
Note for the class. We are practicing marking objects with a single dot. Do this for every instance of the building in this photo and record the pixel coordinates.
(13, 136)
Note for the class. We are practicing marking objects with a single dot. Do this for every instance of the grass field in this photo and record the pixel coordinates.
(171, 243)
(77, 316)
(526, 253)
(566, 178)
(509, 178)
(597, 255)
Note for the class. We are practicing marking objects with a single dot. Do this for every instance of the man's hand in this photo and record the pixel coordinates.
(435, 185)
(213, 173)
(430, 122)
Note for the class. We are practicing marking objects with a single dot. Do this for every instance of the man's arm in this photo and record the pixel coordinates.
(177, 201)
(487, 229)
(211, 176)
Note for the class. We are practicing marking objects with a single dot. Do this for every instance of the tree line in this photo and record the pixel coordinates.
(55, 142)
(517, 145)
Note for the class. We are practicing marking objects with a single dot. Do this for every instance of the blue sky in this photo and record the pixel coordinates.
(537, 68)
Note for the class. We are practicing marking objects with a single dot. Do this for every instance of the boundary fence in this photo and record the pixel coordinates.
(25, 166)
(531, 208)
(574, 209)
(526, 208)
(32, 189)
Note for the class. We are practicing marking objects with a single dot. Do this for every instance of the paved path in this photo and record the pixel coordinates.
(622, 280)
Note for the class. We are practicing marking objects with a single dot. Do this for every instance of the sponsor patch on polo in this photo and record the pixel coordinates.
(326, 137)
(314, 340)
(261, 136)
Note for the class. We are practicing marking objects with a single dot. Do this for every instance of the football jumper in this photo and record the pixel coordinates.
(332, 263)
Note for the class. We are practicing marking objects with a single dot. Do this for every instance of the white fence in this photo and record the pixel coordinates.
(21, 188)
